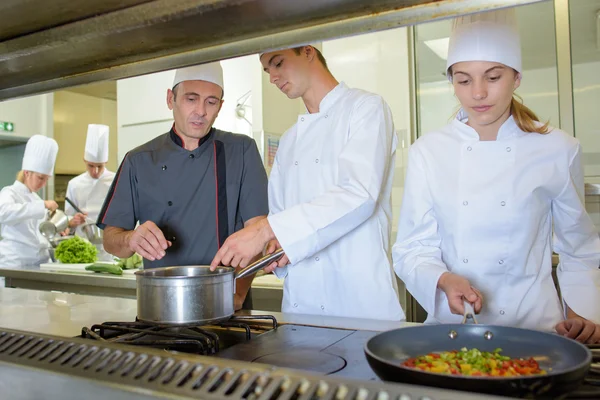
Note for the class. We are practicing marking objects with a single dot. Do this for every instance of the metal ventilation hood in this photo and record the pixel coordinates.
(48, 45)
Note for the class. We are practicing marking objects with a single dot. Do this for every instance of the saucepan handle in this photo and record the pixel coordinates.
(260, 264)
(469, 312)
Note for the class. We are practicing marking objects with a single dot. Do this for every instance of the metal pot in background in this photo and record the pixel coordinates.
(93, 233)
(191, 294)
(54, 242)
(55, 223)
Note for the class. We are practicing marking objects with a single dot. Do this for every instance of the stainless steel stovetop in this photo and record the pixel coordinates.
(259, 339)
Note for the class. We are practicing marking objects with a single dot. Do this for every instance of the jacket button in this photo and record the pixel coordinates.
(316, 258)
(170, 203)
(164, 167)
(469, 148)
(502, 203)
(295, 304)
(465, 203)
(501, 262)
(508, 149)
(466, 260)
(296, 163)
(326, 115)
(191, 156)
(302, 119)
(317, 160)
(322, 307)
(501, 312)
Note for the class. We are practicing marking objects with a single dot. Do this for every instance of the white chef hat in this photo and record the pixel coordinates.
(40, 155)
(211, 72)
(489, 36)
(96, 144)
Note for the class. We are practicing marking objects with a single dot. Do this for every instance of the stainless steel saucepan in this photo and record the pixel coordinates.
(191, 294)
(94, 234)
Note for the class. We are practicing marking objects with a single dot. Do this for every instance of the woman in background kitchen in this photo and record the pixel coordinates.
(483, 195)
(88, 190)
(22, 210)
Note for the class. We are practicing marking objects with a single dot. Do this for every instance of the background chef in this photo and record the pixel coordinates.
(88, 190)
(22, 209)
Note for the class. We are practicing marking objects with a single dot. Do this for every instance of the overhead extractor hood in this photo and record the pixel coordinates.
(48, 45)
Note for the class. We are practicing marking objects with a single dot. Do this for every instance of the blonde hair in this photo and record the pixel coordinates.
(21, 176)
(526, 120)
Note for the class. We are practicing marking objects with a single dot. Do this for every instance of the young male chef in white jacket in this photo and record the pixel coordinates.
(329, 196)
(88, 190)
(22, 210)
(483, 194)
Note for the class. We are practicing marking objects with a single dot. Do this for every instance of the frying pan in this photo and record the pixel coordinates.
(566, 361)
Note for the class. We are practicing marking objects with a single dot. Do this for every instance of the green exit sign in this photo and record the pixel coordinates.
(7, 126)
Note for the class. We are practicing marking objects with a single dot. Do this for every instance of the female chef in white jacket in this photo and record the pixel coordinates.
(483, 194)
(22, 210)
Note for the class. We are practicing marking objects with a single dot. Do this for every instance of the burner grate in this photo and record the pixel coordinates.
(188, 338)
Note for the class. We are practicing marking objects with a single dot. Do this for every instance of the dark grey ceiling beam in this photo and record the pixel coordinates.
(142, 37)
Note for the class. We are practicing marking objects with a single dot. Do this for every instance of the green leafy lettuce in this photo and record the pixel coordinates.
(76, 251)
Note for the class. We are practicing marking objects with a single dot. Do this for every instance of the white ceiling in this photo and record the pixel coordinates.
(538, 40)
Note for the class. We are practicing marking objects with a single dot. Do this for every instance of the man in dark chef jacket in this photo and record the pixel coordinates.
(188, 189)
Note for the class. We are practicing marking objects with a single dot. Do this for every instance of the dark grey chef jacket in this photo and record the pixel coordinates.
(197, 198)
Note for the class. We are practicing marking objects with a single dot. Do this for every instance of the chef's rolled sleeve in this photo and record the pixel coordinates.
(417, 254)
(576, 241)
(119, 209)
(254, 200)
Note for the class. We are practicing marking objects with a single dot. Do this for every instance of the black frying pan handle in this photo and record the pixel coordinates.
(73, 205)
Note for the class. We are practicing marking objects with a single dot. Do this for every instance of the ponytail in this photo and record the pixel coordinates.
(21, 176)
(526, 119)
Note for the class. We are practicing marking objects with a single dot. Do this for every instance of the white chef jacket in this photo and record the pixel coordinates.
(88, 194)
(21, 213)
(485, 210)
(330, 208)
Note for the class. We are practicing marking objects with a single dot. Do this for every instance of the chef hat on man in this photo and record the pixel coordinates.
(490, 36)
(96, 144)
(40, 155)
(211, 72)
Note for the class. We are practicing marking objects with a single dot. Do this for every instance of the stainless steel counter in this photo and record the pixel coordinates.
(266, 290)
(65, 314)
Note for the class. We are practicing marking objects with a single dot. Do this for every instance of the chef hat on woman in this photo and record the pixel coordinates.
(40, 155)
(490, 36)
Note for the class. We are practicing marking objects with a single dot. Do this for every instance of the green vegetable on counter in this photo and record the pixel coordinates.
(133, 262)
(76, 251)
(105, 267)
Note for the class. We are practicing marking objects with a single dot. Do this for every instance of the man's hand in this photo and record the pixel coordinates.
(240, 248)
(148, 241)
(283, 261)
(78, 219)
(580, 329)
(459, 289)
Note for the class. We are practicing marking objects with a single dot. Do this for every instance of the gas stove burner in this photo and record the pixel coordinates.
(187, 338)
(306, 360)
